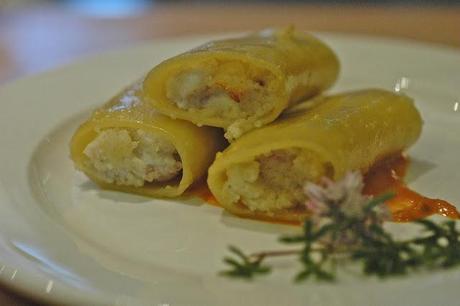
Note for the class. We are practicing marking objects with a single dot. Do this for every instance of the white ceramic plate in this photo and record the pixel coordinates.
(64, 240)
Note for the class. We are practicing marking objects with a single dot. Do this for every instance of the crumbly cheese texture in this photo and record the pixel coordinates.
(231, 90)
(273, 181)
(132, 157)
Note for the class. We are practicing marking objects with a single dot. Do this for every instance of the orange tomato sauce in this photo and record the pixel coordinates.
(386, 175)
(201, 190)
(407, 205)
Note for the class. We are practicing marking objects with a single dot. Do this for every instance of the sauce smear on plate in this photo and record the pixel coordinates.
(385, 176)
(201, 190)
(407, 205)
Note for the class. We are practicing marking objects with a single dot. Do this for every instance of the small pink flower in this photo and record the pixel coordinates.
(339, 202)
(344, 195)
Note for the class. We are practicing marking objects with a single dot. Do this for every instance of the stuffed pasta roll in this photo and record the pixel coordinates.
(243, 83)
(262, 174)
(128, 146)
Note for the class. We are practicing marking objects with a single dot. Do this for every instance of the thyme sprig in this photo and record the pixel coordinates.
(333, 234)
(244, 266)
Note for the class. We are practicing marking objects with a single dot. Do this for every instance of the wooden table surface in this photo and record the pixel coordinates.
(32, 40)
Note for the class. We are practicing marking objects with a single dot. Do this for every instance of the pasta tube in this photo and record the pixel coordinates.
(262, 174)
(127, 145)
(243, 83)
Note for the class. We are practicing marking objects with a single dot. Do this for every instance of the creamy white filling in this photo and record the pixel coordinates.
(273, 181)
(236, 96)
(132, 157)
(194, 90)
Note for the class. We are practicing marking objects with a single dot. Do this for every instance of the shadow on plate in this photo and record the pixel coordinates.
(258, 226)
(418, 168)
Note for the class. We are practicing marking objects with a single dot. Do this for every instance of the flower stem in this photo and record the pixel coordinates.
(274, 253)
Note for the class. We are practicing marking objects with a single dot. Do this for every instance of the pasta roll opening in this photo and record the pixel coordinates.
(274, 181)
(240, 84)
(229, 90)
(262, 174)
(132, 157)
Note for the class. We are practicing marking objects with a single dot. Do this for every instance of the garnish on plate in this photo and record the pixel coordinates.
(346, 225)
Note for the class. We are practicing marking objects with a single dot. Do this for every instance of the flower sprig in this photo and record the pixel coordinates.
(347, 225)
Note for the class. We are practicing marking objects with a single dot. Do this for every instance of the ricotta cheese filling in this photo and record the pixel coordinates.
(231, 91)
(273, 181)
(132, 157)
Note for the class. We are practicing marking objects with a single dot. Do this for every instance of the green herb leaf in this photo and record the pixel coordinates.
(243, 266)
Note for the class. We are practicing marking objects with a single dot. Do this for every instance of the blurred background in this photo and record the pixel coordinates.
(110, 4)
(36, 35)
